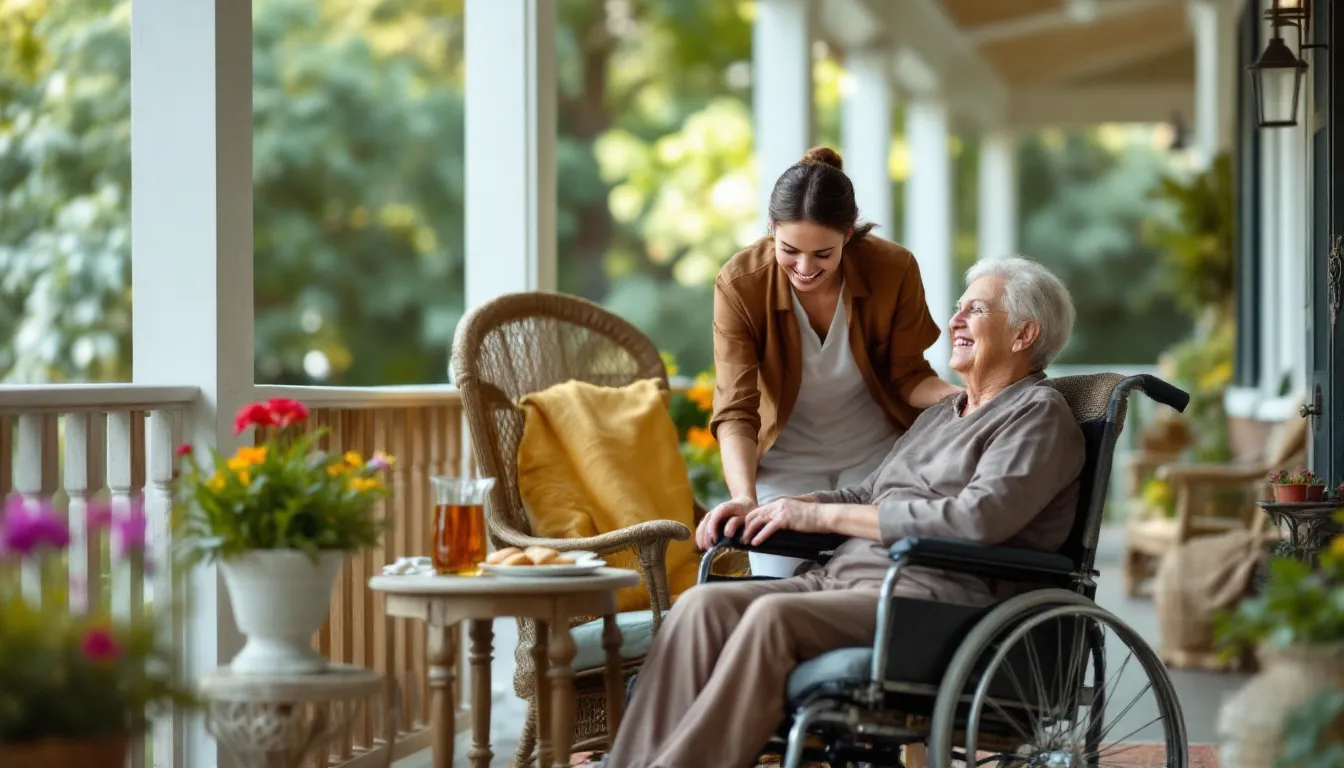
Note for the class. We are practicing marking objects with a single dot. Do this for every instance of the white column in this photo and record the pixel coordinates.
(866, 134)
(510, 148)
(781, 98)
(998, 195)
(191, 229)
(928, 213)
(1213, 23)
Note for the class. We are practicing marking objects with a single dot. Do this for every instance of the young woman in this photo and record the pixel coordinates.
(820, 330)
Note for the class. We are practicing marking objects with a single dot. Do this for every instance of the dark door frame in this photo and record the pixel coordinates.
(1325, 350)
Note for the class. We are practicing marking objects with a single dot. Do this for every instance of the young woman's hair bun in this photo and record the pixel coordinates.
(823, 156)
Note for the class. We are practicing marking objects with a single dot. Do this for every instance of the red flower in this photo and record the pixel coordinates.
(182, 450)
(254, 415)
(286, 412)
(100, 646)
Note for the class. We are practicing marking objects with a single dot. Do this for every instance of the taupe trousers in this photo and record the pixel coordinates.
(711, 691)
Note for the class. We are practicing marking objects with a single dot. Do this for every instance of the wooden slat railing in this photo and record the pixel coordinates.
(422, 428)
(75, 444)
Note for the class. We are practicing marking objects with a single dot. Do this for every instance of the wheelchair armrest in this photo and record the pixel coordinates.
(808, 546)
(1007, 563)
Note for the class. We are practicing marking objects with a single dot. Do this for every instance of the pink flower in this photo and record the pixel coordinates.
(99, 515)
(27, 527)
(379, 462)
(182, 450)
(99, 646)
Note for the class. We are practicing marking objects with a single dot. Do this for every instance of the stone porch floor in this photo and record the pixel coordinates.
(1201, 693)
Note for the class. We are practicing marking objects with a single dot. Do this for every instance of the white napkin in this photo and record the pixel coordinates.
(410, 566)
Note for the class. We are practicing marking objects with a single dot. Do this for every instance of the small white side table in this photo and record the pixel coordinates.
(279, 721)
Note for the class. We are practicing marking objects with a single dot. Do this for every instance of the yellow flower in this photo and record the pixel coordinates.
(669, 363)
(1337, 546)
(337, 469)
(363, 484)
(215, 483)
(700, 437)
(354, 459)
(702, 396)
(244, 477)
(247, 456)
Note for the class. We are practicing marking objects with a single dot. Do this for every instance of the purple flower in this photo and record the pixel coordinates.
(128, 533)
(379, 462)
(28, 526)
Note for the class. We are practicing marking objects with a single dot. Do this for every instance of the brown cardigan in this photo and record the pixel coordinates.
(758, 348)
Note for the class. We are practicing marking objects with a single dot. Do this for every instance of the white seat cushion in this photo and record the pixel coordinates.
(636, 637)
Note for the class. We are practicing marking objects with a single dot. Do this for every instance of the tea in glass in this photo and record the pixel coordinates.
(458, 535)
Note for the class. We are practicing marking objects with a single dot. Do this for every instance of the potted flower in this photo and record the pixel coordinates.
(1296, 627)
(1299, 486)
(280, 519)
(75, 685)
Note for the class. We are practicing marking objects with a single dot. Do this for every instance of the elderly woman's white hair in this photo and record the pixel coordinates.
(1032, 292)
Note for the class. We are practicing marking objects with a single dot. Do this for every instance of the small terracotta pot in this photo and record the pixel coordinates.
(1290, 494)
(105, 752)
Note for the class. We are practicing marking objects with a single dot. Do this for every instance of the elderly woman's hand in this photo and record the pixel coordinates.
(784, 515)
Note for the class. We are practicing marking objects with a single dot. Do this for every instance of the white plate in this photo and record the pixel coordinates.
(581, 568)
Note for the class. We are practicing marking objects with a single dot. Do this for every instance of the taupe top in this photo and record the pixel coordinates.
(1007, 473)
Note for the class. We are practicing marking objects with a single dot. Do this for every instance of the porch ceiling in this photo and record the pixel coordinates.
(1082, 61)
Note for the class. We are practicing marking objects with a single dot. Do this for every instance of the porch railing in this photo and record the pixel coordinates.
(81, 443)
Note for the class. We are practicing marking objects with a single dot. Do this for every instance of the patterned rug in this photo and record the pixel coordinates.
(1201, 756)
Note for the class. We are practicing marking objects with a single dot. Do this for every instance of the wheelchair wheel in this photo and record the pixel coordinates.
(1050, 680)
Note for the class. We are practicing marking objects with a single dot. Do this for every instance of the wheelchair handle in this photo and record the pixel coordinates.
(1164, 393)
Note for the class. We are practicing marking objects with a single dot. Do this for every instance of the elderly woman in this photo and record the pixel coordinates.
(998, 464)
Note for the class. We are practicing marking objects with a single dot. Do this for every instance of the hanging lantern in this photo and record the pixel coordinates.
(1277, 79)
(1292, 13)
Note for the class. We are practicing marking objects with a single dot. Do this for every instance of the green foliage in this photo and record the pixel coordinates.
(1198, 241)
(1306, 728)
(1202, 365)
(1299, 605)
(691, 411)
(285, 494)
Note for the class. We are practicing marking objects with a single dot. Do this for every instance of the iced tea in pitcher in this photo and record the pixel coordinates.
(458, 536)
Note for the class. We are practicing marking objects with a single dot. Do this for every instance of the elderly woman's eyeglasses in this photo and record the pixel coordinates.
(976, 309)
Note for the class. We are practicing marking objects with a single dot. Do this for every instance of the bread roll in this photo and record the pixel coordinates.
(517, 558)
(500, 556)
(540, 555)
(562, 561)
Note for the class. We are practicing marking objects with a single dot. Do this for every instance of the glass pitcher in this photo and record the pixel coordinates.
(458, 535)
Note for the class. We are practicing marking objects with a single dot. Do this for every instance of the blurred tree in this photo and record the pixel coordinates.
(1084, 205)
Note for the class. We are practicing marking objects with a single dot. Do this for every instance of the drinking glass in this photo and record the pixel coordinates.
(459, 524)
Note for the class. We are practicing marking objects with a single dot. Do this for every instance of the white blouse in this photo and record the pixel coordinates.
(835, 423)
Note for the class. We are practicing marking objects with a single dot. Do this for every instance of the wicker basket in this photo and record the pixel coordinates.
(1250, 723)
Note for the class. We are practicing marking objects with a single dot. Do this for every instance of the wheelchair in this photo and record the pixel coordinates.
(1022, 683)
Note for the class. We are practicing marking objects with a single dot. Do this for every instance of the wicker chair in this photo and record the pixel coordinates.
(523, 343)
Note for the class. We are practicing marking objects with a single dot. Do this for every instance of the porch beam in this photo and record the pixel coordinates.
(510, 148)
(866, 134)
(1060, 18)
(997, 234)
(191, 234)
(782, 103)
(928, 212)
(1082, 107)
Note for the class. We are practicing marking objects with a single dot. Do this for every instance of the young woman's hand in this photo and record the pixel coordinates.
(801, 515)
(733, 510)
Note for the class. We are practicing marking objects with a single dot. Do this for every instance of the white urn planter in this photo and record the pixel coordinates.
(1251, 721)
(280, 599)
